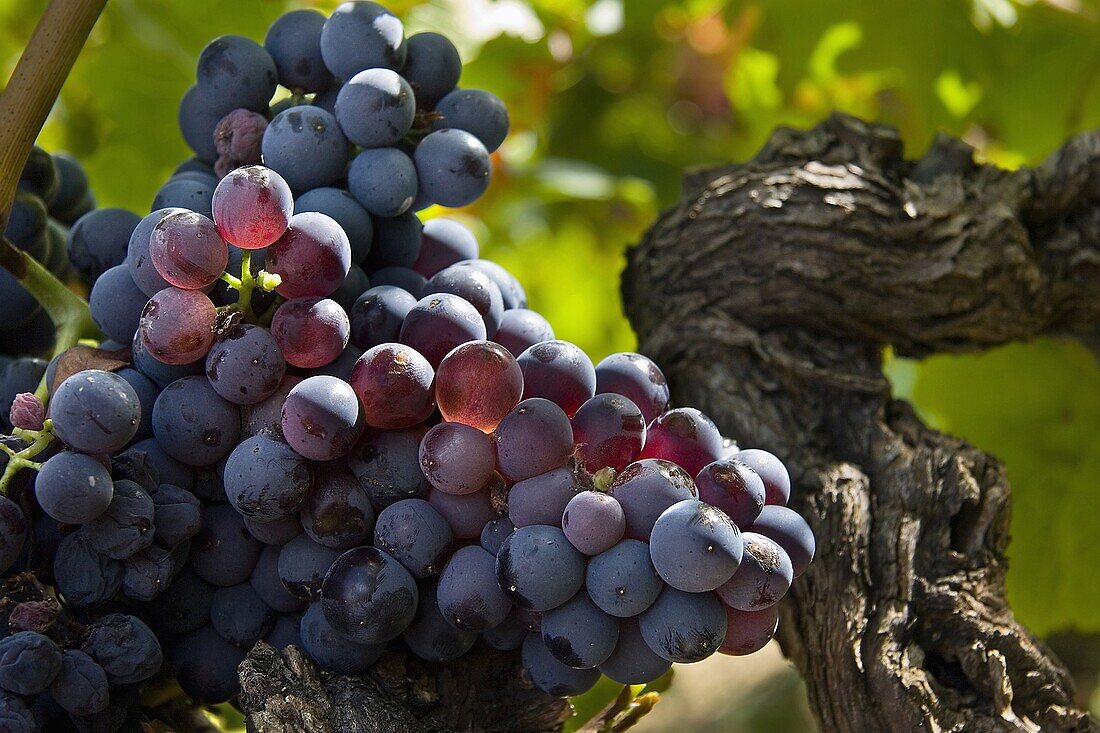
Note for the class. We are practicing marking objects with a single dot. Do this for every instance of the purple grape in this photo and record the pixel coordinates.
(734, 488)
(29, 662)
(277, 532)
(252, 207)
(777, 481)
(636, 377)
(376, 108)
(245, 366)
(415, 534)
(394, 386)
(622, 580)
(457, 459)
(578, 634)
(477, 384)
(338, 513)
(695, 547)
(473, 286)
(223, 553)
(550, 675)
(177, 326)
(790, 531)
(645, 489)
(749, 631)
(303, 564)
(609, 432)
(73, 488)
(387, 465)
(543, 499)
(560, 372)
(206, 666)
(377, 315)
(265, 480)
(310, 332)
(686, 437)
(444, 242)
(438, 323)
(762, 579)
(321, 418)
(521, 329)
(431, 637)
(269, 586)
(368, 596)
(193, 423)
(593, 521)
(332, 651)
(138, 259)
(495, 532)
(467, 514)
(408, 280)
(265, 417)
(468, 595)
(126, 527)
(94, 411)
(632, 662)
(532, 439)
(684, 627)
(312, 256)
(538, 568)
(187, 250)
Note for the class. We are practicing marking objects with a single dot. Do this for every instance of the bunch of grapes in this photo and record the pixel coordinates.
(342, 430)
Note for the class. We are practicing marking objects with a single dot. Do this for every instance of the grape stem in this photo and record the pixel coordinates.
(247, 282)
(18, 460)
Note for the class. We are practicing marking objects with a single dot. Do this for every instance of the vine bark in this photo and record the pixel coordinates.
(768, 295)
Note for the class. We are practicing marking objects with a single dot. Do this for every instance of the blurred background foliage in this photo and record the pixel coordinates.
(610, 100)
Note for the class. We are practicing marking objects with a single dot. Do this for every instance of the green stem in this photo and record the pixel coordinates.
(17, 461)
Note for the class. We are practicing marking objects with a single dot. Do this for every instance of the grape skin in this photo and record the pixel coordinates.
(83, 576)
(396, 244)
(645, 489)
(332, 651)
(239, 615)
(13, 533)
(234, 71)
(432, 67)
(636, 377)
(457, 459)
(593, 522)
(468, 595)
(368, 596)
(303, 564)
(521, 329)
(443, 243)
(80, 688)
(126, 527)
(187, 250)
(94, 411)
(146, 573)
(245, 366)
(394, 386)
(321, 418)
(550, 675)
(338, 512)
(377, 314)
(734, 488)
(467, 514)
(535, 437)
(452, 168)
(622, 580)
(777, 481)
(29, 662)
(193, 423)
(352, 218)
(125, 647)
(184, 606)
(98, 240)
(138, 259)
(115, 303)
(252, 207)
(73, 488)
(543, 499)
(560, 372)
(478, 383)
(362, 35)
(186, 193)
(478, 112)
(684, 627)
(177, 326)
(578, 634)
(762, 579)
(686, 437)
(277, 531)
(177, 514)
(609, 432)
(430, 636)
(495, 532)
(633, 662)
(749, 631)
(695, 547)
(386, 463)
(414, 533)
(206, 666)
(473, 286)
(312, 256)
(538, 568)
(376, 108)
(269, 586)
(306, 146)
(383, 181)
(223, 553)
(294, 43)
(790, 531)
(265, 480)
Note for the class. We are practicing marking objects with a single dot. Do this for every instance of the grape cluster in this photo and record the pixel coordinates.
(341, 429)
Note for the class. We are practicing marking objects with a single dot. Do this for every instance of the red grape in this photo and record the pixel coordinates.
(748, 631)
(684, 436)
(394, 385)
(560, 372)
(534, 438)
(477, 384)
(609, 431)
(252, 207)
(177, 326)
(313, 256)
(777, 482)
(457, 459)
(187, 250)
(310, 332)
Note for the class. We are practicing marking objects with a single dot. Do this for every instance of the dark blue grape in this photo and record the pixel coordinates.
(431, 636)
(266, 480)
(239, 615)
(168, 469)
(193, 423)
(355, 284)
(125, 647)
(622, 581)
(532, 439)
(160, 373)
(13, 533)
(81, 686)
(305, 145)
(645, 489)
(342, 366)
(387, 465)
(147, 393)
(777, 481)
(184, 606)
(18, 376)
(383, 180)
(550, 675)
(126, 526)
(98, 240)
(415, 534)
(177, 515)
(439, 323)
(468, 595)
(790, 531)
(432, 67)
(542, 499)
(376, 108)
(276, 532)
(342, 206)
(29, 662)
(26, 227)
(633, 662)
(467, 514)
(362, 35)
(73, 488)
(303, 565)
(510, 289)
(83, 576)
(294, 42)
(269, 586)
(368, 596)
(338, 513)
(636, 377)
(185, 193)
(74, 198)
(452, 168)
(377, 315)
(223, 553)
(235, 71)
(206, 666)
(478, 112)
(495, 533)
(396, 244)
(332, 651)
(508, 635)
(146, 573)
(684, 627)
(538, 567)
(95, 411)
(321, 418)
(245, 366)
(400, 277)
(695, 547)
(473, 286)
(578, 633)
(20, 305)
(285, 631)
